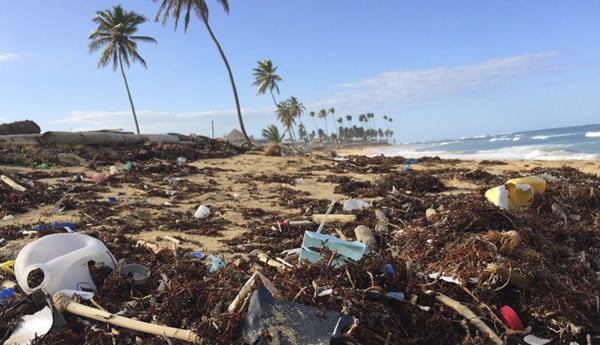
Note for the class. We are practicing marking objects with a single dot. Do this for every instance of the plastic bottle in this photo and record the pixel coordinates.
(63, 259)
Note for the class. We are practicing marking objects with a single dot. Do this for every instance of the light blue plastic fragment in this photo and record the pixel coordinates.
(215, 262)
(344, 249)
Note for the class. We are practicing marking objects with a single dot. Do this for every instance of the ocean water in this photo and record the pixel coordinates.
(579, 143)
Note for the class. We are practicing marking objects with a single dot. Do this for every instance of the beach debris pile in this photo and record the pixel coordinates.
(398, 257)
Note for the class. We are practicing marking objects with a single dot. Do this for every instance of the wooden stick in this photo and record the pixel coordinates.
(470, 316)
(334, 218)
(63, 303)
(12, 183)
(326, 214)
(155, 248)
(244, 291)
(262, 257)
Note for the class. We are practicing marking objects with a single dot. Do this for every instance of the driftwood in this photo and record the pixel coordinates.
(12, 183)
(20, 127)
(63, 303)
(334, 218)
(248, 287)
(470, 316)
(91, 138)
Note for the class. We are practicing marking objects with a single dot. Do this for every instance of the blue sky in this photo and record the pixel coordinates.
(440, 69)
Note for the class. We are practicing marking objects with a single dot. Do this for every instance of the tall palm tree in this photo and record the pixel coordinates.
(172, 8)
(312, 114)
(323, 115)
(332, 112)
(265, 78)
(116, 34)
(286, 115)
(297, 108)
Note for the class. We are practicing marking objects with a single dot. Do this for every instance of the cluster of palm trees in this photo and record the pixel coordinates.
(290, 111)
(116, 34)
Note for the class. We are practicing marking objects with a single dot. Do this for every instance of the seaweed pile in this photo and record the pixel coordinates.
(542, 260)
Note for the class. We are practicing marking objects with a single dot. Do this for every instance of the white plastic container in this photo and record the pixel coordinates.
(202, 212)
(63, 258)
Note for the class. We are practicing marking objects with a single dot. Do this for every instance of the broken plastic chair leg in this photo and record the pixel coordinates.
(63, 303)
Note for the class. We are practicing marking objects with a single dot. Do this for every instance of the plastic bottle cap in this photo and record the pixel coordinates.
(510, 317)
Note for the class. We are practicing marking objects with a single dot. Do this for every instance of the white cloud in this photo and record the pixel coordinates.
(7, 57)
(161, 122)
(388, 90)
(405, 87)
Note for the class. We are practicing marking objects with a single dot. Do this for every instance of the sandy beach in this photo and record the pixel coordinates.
(250, 195)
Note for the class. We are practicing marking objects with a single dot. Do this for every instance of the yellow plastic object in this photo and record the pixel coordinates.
(7, 266)
(516, 192)
(538, 184)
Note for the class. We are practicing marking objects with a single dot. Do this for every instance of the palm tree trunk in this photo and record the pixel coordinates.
(137, 126)
(235, 94)
(272, 95)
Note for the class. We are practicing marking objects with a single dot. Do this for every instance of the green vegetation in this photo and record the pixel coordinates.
(266, 78)
(116, 33)
(271, 133)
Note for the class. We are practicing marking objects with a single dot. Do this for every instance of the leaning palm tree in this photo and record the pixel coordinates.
(116, 33)
(286, 116)
(172, 8)
(296, 108)
(265, 78)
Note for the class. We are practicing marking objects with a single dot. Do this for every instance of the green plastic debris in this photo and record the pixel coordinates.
(43, 166)
(128, 166)
(345, 250)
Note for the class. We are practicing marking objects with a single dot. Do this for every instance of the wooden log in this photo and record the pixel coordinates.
(91, 138)
(365, 235)
(20, 139)
(63, 303)
(334, 218)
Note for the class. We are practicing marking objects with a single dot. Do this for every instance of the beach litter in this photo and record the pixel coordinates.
(202, 212)
(61, 262)
(271, 321)
(355, 204)
(516, 192)
(342, 250)
(32, 326)
(541, 260)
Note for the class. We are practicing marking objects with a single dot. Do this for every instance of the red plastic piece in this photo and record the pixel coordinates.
(510, 318)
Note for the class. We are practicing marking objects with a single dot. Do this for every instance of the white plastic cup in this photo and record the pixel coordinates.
(64, 259)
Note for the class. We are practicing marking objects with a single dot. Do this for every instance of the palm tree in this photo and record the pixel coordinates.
(323, 115)
(172, 8)
(332, 112)
(265, 78)
(285, 115)
(297, 108)
(312, 114)
(271, 133)
(116, 33)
